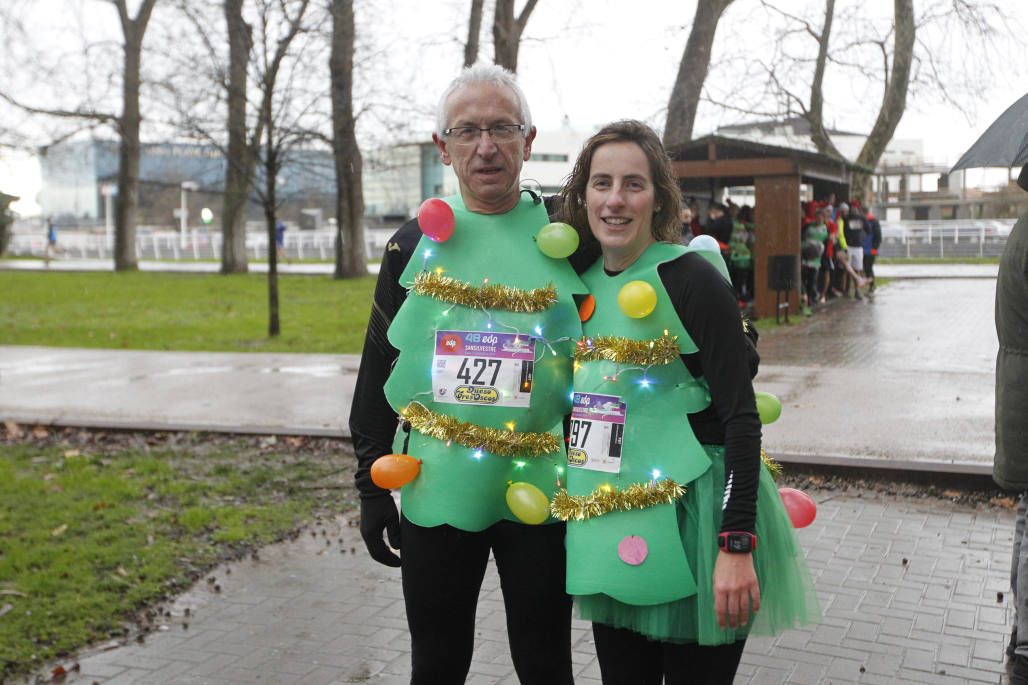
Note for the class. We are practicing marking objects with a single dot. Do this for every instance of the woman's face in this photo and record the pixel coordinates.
(619, 197)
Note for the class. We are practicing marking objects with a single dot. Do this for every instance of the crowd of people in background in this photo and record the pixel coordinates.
(839, 245)
(731, 225)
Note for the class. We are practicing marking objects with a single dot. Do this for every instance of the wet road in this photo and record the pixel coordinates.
(906, 377)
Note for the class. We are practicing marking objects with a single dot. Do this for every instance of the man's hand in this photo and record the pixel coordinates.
(735, 589)
(378, 515)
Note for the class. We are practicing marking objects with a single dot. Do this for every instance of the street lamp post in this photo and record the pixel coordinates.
(183, 215)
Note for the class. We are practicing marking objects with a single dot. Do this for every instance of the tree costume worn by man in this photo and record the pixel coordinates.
(644, 497)
(481, 385)
(1010, 467)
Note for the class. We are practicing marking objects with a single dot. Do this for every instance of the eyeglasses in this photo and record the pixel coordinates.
(470, 135)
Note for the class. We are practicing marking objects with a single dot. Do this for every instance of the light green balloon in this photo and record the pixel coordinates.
(557, 240)
(768, 406)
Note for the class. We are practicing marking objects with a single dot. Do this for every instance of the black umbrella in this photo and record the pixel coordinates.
(1005, 143)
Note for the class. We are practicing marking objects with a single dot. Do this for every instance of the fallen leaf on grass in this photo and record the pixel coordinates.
(295, 441)
(59, 674)
(100, 505)
(1003, 502)
(59, 530)
(68, 454)
(39, 432)
(5, 608)
(13, 429)
(122, 572)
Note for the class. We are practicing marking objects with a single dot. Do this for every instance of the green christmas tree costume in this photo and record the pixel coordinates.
(452, 363)
(650, 569)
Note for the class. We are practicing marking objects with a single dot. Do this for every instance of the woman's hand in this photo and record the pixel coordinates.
(736, 589)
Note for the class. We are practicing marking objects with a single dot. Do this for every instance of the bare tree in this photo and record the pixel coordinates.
(507, 30)
(273, 51)
(815, 114)
(126, 124)
(692, 72)
(351, 257)
(128, 161)
(474, 29)
(240, 160)
(894, 102)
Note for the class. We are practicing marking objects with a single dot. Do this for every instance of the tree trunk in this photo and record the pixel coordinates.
(351, 256)
(474, 29)
(507, 32)
(270, 178)
(238, 167)
(692, 72)
(894, 101)
(128, 125)
(815, 115)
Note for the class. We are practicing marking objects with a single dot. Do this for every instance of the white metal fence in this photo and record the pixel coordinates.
(194, 245)
(955, 238)
(961, 238)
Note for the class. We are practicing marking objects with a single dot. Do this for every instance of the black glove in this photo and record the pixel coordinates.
(378, 514)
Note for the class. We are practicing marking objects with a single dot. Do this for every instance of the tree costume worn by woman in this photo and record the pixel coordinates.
(483, 377)
(640, 552)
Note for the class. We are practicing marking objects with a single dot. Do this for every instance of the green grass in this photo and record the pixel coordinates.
(170, 311)
(88, 539)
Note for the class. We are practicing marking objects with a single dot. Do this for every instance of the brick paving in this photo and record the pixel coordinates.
(912, 590)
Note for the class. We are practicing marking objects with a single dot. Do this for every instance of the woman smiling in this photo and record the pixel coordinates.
(665, 471)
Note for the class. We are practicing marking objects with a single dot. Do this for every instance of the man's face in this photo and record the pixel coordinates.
(488, 171)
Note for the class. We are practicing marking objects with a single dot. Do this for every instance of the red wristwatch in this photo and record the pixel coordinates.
(737, 542)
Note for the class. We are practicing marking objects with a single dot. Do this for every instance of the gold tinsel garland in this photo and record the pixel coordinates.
(506, 443)
(773, 467)
(487, 296)
(659, 351)
(605, 499)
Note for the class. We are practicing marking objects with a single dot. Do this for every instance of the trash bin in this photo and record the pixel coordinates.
(783, 275)
(783, 272)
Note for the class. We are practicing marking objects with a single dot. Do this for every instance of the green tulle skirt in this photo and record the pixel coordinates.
(787, 597)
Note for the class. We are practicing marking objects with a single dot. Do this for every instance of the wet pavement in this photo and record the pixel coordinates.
(914, 589)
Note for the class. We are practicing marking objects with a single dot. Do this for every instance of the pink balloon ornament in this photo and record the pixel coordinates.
(799, 506)
(435, 219)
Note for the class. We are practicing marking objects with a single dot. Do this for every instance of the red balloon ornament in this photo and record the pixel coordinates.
(435, 219)
(799, 506)
(394, 470)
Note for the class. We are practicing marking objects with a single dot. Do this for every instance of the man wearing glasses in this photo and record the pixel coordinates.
(452, 519)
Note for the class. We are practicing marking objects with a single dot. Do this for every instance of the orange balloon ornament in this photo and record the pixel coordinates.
(394, 470)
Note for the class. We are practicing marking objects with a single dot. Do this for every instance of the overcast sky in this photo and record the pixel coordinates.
(593, 61)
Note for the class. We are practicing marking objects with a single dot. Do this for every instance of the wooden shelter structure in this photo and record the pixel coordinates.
(705, 166)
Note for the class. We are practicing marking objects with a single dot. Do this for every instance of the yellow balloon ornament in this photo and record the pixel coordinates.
(637, 299)
(528, 503)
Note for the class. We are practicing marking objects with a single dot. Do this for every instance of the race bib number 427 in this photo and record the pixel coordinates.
(597, 432)
(482, 367)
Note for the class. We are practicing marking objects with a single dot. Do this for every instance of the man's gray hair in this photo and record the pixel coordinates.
(483, 72)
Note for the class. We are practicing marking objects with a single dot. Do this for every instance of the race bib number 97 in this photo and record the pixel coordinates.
(482, 367)
(597, 432)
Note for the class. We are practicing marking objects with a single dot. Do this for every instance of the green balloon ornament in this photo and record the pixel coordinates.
(637, 299)
(768, 406)
(528, 503)
(557, 240)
